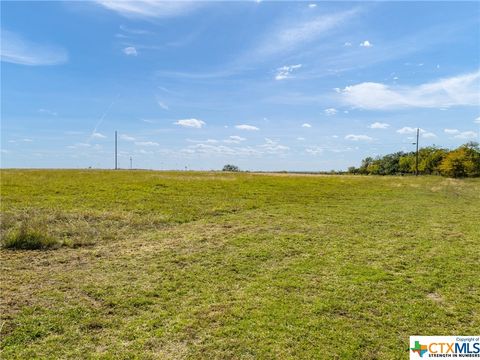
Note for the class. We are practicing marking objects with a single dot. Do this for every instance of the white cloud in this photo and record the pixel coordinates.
(17, 50)
(98, 135)
(130, 51)
(193, 123)
(353, 137)
(379, 125)
(146, 143)
(312, 6)
(409, 130)
(285, 72)
(247, 127)
(300, 139)
(451, 131)
(454, 91)
(428, 135)
(366, 44)
(477, 120)
(306, 125)
(149, 8)
(27, 140)
(466, 135)
(330, 111)
(127, 137)
(348, 43)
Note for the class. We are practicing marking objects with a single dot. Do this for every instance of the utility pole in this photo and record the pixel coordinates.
(116, 163)
(131, 167)
(416, 154)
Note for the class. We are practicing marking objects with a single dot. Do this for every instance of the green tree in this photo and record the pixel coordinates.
(406, 164)
(430, 159)
(230, 167)
(462, 162)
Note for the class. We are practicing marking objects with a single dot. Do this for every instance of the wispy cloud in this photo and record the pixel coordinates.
(150, 8)
(234, 139)
(285, 72)
(247, 127)
(133, 31)
(48, 112)
(453, 91)
(330, 111)
(306, 125)
(314, 150)
(18, 50)
(97, 135)
(130, 51)
(288, 36)
(273, 147)
(146, 143)
(192, 123)
(162, 104)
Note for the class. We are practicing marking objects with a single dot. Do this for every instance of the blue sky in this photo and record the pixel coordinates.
(263, 85)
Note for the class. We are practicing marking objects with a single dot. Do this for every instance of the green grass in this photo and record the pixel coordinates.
(173, 265)
(29, 239)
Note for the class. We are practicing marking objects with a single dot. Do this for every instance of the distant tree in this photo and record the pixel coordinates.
(462, 162)
(363, 169)
(406, 164)
(230, 167)
(430, 159)
(374, 168)
(353, 170)
(390, 164)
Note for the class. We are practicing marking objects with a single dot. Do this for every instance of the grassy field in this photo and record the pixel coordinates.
(175, 265)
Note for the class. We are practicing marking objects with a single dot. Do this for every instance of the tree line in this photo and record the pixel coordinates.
(461, 162)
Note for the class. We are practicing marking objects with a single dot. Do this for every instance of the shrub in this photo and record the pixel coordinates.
(29, 238)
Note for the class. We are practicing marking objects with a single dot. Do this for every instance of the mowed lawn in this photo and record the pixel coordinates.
(198, 265)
